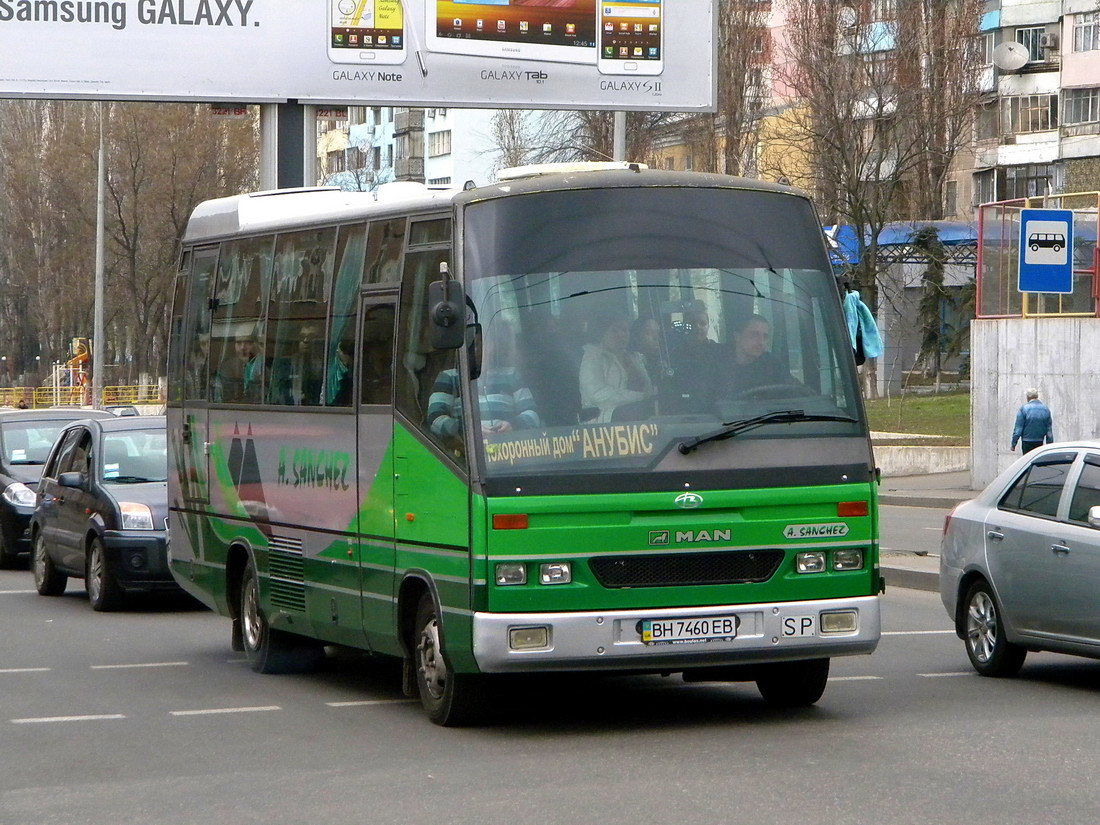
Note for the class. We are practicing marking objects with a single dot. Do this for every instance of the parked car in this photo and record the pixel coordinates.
(26, 437)
(102, 510)
(1020, 564)
(122, 409)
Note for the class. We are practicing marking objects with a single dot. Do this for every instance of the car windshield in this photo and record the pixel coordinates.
(134, 457)
(29, 442)
(605, 353)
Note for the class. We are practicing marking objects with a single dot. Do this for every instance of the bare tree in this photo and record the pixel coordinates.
(876, 112)
(162, 160)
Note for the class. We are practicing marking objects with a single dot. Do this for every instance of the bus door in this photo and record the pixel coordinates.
(194, 455)
(377, 319)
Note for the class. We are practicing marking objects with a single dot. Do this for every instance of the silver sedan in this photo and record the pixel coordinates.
(1020, 564)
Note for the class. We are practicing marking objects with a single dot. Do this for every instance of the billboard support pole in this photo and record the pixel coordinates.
(98, 358)
(287, 152)
(619, 136)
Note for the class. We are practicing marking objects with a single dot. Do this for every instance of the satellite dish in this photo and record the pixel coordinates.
(1010, 56)
(846, 17)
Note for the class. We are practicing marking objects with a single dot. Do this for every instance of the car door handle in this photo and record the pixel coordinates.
(994, 535)
(1059, 549)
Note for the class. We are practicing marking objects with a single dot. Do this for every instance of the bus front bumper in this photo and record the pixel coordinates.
(613, 640)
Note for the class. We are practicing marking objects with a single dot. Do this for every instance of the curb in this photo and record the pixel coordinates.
(919, 501)
(911, 579)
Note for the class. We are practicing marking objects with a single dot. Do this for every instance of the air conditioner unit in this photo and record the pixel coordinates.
(1048, 40)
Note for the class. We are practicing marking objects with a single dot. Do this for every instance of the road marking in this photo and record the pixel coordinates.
(364, 702)
(25, 670)
(147, 664)
(68, 719)
(941, 675)
(211, 711)
(917, 632)
(854, 678)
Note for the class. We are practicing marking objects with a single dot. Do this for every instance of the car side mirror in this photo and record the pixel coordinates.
(76, 480)
(1094, 516)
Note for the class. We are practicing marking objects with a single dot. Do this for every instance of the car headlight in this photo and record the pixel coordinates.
(136, 516)
(19, 493)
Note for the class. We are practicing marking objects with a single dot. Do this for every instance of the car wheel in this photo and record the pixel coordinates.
(269, 650)
(47, 579)
(450, 699)
(794, 684)
(103, 591)
(989, 650)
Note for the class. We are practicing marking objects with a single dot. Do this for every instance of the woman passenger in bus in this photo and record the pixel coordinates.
(613, 378)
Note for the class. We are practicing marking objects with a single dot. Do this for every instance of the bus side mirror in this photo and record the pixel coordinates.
(446, 314)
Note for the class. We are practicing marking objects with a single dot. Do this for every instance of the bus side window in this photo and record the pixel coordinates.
(340, 363)
(297, 316)
(244, 275)
(387, 240)
(421, 371)
(376, 379)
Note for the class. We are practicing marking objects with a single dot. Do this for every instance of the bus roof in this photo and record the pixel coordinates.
(291, 208)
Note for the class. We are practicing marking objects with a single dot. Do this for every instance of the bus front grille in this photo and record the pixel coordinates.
(670, 569)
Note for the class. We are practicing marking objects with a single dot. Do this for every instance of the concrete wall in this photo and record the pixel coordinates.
(1060, 356)
(911, 460)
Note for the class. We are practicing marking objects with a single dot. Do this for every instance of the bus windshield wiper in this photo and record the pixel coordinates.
(732, 428)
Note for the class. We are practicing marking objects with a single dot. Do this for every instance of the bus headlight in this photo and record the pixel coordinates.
(839, 621)
(559, 572)
(510, 573)
(848, 559)
(810, 562)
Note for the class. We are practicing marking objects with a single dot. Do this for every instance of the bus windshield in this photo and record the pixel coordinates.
(610, 335)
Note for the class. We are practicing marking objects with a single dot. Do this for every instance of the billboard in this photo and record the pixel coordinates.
(647, 55)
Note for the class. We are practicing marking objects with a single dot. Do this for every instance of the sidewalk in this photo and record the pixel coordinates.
(940, 490)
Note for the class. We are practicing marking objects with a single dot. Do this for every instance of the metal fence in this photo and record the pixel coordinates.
(66, 396)
(999, 295)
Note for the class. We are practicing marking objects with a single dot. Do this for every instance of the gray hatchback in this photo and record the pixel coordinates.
(1020, 564)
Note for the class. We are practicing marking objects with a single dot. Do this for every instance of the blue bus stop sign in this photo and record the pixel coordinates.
(1046, 250)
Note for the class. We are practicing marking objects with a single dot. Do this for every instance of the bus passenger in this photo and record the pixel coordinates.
(613, 378)
(238, 378)
(504, 401)
(753, 364)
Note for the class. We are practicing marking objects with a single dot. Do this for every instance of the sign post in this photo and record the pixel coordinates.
(1046, 251)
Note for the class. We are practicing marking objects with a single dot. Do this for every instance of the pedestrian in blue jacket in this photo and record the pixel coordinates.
(1033, 424)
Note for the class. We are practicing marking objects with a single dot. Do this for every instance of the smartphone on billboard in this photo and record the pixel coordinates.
(631, 37)
(367, 32)
(562, 31)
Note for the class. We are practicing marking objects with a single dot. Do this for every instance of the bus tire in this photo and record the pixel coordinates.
(793, 684)
(269, 650)
(48, 580)
(450, 699)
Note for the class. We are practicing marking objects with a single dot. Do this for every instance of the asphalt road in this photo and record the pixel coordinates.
(147, 717)
(911, 529)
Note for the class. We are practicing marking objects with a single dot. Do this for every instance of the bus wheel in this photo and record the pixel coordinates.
(269, 650)
(449, 698)
(793, 684)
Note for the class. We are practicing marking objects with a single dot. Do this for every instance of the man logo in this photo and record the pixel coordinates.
(688, 501)
(658, 537)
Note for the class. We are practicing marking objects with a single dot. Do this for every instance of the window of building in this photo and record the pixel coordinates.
(985, 186)
(986, 123)
(1032, 113)
(1081, 106)
(951, 197)
(1030, 37)
(438, 181)
(1030, 180)
(1086, 31)
(670, 163)
(376, 158)
(986, 43)
(689, 163)
(439, 143)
